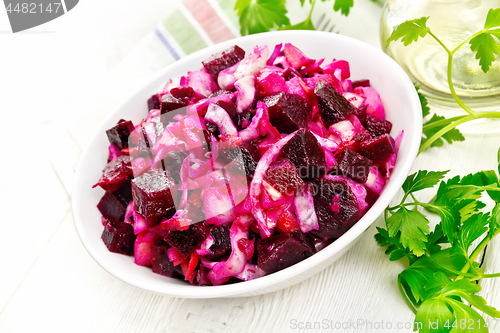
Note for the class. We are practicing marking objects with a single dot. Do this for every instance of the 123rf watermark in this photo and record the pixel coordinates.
(353, 324)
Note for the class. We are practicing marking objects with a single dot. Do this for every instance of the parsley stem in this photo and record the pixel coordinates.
(457, 273)
(311, 11)
(487, 114)
(439, 123)
(449, 68)
(477, 251)
(407, 300)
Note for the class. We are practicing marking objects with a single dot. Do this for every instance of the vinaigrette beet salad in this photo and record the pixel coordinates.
(245, 167)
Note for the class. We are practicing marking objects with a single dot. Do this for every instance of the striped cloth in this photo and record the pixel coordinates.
(196, 24)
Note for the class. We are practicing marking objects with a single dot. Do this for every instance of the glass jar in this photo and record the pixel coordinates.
(425, 61)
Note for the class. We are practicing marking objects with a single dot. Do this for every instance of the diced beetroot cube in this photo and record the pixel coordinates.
(124, 193)
(353, 165)
(305, 238)
(112, 207)
(230, 108)
(332, 224)
(377, 126)
(223, 60)
(154, 193)
(306, 154)
(361, 113)
(118, 237)
(183, 93)
(279, 251)
(160, 262)
(202, 277)
(332, 105)
(169, 103)
(360, 83)
(119, 133)
(221, 248)
(378, 148)
(212, 129)
(290, 73)
(154, 103)
(283, 176)
(187, 240)
(362, 136)
(248, 154)
(288, 112)
(115, 173)
(172, 162)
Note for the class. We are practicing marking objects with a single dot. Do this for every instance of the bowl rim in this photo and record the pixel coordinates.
(246, 287)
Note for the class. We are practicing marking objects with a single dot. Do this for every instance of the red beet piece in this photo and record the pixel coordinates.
(115, 173)
(378, 148)
(377, 127)
(169, 103)
(183, 93)
(223, 60)
(245, 156)
(154, 193)
(119, 133)
(211, 128)
(334, 224)
(154, 103)
(279, 251)
(360, 83)
(118, 237)
(307, 239)
(306, 154)
(112, 207)
(290, 73)
(172, 162)
(283, 176)
(187, 240)
(160, 262)
(288, 112)
(332, 105)
(353, 165)
(221, 248)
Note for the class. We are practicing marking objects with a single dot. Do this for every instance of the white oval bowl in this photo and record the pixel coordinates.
(402, 108)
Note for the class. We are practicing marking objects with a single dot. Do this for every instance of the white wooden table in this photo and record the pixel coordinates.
(57, 83)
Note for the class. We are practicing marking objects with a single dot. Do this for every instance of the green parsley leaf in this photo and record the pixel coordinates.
(422, 180)
(498, 159)
(485, 46)
(261, 15)
(343, 5)
(495, 220)
(413, 281)
(444, 304)
(304, 25)
(435, 237)
(450, 136)
(409, 31)
(423, 102)
(395, 250)
(413, 226)
(472, 229)
(433, 316)
(450, 218)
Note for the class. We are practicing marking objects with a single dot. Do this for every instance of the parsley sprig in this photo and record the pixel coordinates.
(486, 46)
(264, 15)
(440, 281)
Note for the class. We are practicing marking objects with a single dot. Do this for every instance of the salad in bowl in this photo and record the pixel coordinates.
(254, 164)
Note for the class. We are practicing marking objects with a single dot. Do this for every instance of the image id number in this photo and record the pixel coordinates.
(33, 8)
